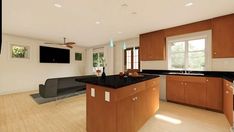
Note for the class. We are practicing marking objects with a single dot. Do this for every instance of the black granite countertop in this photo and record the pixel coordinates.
(222, 74)
(115, 81)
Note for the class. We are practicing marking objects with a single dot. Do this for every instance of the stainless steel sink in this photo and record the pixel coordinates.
(193, 74)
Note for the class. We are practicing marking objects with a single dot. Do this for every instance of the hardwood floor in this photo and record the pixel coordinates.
(19, 113)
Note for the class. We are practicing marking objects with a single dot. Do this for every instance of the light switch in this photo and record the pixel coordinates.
(92, 92)
(107, 96)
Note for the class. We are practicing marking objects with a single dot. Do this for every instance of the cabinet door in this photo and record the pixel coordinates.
(140, 111)
(223, 37)
(175, 90)
(214, 93)
(125, 115)
(228, 101)
(158, 46)
(152, 46)
(145, 41)
(195, 93)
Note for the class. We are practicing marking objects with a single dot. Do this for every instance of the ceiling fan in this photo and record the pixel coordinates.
(67, 44)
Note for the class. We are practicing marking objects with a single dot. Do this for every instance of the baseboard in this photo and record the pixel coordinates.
(17, 91)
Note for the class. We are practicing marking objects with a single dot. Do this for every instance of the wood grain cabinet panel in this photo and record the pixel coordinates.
(223, 37)
(214, 93)
(175, 89)
(228, 101)
(125, 115)
(195, 93)
(152, 46)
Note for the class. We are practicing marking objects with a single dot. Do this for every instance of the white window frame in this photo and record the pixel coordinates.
(188, 37)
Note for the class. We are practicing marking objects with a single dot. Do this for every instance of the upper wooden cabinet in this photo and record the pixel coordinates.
(188, 28)
(152, 46)
(223, 37)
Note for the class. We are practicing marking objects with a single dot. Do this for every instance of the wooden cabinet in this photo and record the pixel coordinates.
(127, 110)
(195, 93)
(175, 89)
(152, 46)
(203, 92)
(125, 115)
(223, 37)
(214, 93)
(228, 101)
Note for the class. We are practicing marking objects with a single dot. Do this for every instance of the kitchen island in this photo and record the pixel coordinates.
(120, 104)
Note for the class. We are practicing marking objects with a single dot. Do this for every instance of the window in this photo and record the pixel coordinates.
(187, 54)
(98, 59)
(18, 51)
(131, 58)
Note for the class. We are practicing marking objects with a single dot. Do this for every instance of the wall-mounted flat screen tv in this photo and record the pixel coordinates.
(54, 55)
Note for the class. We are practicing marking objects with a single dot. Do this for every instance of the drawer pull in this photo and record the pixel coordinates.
(136, 98)
(227, 92)
(207, 80)
(134, 89)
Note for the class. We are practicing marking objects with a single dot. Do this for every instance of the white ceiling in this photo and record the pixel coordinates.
(76, 19)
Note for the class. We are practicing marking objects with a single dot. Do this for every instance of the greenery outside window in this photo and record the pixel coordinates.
(18, 51)
(98, 59)
(187, 54)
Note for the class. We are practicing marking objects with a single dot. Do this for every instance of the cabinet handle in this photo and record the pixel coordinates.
(207, 80)
(227, 92)
(215, 53)
(133, 99)
(136, 98)
(134, 89)
(227, 84)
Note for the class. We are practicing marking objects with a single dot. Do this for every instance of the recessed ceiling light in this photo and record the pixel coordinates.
(124, 5)
(98, 22)
(189, 4)
(57, 5)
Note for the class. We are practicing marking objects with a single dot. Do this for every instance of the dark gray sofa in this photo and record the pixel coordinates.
(56, 86)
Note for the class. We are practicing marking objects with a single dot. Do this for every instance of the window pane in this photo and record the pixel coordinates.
(101, 59)
(177, 60)
(196, 60)
(95, 59)
(178, 47)
(196, 45)
(135, 66)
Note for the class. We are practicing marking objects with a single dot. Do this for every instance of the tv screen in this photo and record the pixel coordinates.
(54, 55)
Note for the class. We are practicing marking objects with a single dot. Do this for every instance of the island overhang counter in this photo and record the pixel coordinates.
(120, 104)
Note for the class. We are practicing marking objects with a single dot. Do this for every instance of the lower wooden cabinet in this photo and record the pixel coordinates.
(203, 92)
(228, 101)
(195, 93)
(128, 109)
(214, 93)
(175, 89)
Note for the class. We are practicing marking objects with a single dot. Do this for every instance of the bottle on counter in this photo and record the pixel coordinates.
(103, 73)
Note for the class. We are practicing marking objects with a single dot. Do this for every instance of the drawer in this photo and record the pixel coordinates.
(129, 90)
(187, 79)
(153, 83)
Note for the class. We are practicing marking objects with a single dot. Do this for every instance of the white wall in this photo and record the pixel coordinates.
(119, 53)
(26, 74)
